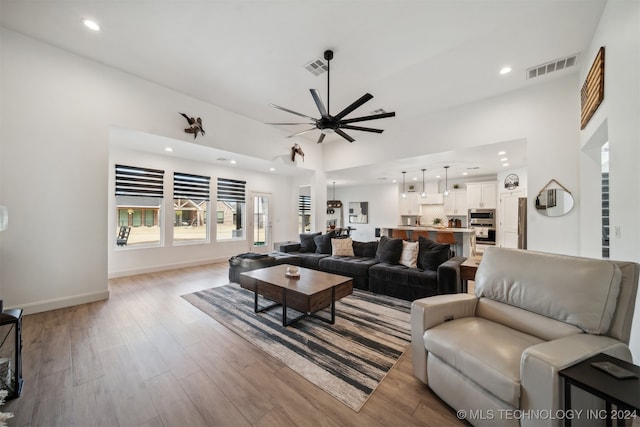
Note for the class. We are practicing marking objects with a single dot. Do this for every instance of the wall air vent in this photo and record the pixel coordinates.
(316, 67)
(553, 66)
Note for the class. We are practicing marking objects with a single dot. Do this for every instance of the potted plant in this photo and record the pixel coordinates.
(437, 222)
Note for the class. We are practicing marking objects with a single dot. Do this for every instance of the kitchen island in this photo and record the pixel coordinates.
(465, 237)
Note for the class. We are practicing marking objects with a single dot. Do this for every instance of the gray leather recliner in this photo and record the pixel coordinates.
(496, 354)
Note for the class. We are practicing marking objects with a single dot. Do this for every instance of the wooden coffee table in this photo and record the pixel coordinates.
(308, 294)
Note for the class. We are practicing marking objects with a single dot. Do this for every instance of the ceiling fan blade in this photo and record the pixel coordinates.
(344, 135)
(292, 112)
(361, 128)
(319, 103)
(364, 98)
(301, 133)
(364, 118)
(283, 124)
(321, 138)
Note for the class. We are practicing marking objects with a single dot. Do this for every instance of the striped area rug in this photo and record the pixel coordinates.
(347, 359)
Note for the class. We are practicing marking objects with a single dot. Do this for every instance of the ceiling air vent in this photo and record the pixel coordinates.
(378, 111)
(553, 66)
(316, 67)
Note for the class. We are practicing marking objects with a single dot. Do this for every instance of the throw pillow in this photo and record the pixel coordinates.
(389, 250)
(365, 249)
(306, 242)
(409, 255)
(431, 254)
(342, 247)
(323, 242)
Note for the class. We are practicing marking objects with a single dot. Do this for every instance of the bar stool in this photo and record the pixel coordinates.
(447, 237)
(398, 234)
(415, 235)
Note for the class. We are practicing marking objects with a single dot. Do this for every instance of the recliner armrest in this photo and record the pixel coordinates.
(449, 281)
(539, 366)
(429, 312)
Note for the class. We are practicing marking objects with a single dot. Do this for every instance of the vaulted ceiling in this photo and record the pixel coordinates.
(415, 57)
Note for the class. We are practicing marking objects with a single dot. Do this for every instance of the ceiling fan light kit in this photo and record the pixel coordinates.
(328, 124)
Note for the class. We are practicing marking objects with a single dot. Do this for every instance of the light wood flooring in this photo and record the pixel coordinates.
(148, 358)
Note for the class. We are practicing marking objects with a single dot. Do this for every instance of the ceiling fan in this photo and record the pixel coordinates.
(328, 123)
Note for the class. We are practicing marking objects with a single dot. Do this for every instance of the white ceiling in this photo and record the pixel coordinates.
(415, 57)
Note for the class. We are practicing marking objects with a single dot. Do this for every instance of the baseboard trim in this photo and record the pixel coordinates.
(164, 267)
(63, 302)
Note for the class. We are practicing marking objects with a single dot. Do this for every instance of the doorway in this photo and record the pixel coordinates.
(260, 224)
(510, 216)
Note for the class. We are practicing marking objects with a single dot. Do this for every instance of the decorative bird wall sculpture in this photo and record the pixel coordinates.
(296, 149)
(195, 125)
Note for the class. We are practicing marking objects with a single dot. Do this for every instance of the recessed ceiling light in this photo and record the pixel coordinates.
(437, 176)
(415, 179)
(233, 162)
(169, 149)
(465, 173)
(92, 25)
(272, 169)
(504, 159)
(505, 70)
(502, 153)
(505, 164)
(394, 180)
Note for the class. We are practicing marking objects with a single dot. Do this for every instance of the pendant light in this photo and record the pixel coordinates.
(446, 181)
(424, 193)
(333, 204)
(404, 193)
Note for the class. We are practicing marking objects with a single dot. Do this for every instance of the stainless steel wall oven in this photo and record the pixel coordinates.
(484, 221)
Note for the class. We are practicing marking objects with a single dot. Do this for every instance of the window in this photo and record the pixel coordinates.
(230, 209)
(139, 193)
(190, 207)
(304, 213)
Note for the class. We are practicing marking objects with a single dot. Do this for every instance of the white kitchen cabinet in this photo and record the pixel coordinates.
(410, 205)
(482, 195)
(432, 199)
(455, 204)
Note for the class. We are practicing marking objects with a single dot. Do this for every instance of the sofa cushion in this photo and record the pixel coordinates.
(342, 247)
(307, 243)
(323, 242)
(347, 266)
(389, 250)
(312, 261)
(402, 282)
(365, 249)
(409, 255)
(491, 355)
(574, 290)
(431, 254)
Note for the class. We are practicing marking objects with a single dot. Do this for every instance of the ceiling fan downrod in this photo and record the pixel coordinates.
(328, 56)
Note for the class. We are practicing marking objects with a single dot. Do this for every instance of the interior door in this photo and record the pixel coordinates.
(508, 229)
(260, 223)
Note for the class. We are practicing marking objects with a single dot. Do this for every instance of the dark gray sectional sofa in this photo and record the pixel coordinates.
(374, 265)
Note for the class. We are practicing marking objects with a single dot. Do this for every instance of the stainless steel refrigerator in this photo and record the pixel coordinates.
(522, 223)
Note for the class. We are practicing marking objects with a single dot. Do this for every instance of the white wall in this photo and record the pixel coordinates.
(124, 261)
(546, 115)
(616, 120)
(383, 207)
(57, 109)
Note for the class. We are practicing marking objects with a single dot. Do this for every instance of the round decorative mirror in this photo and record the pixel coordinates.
(554, 202)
